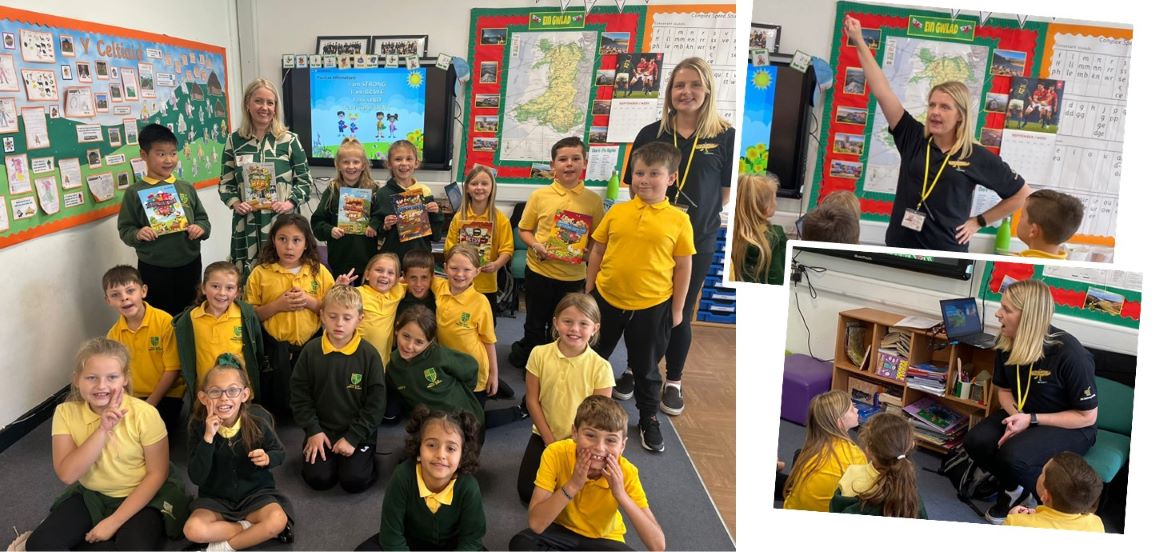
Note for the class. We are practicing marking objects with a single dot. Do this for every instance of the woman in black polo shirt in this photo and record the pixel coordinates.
(1045, 382)
(690, 121)
(940, 165)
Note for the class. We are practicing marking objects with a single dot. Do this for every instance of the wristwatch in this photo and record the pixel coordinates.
(981, 221)
(1033, 419)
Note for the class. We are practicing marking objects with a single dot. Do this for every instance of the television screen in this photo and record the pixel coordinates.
(959, 269)
(377, 106)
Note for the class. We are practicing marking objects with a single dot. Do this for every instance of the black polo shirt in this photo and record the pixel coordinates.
(949, 205)
(1064, 379)
(713, 163)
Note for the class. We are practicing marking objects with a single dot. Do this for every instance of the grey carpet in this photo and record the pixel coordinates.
(335, 520)
(936, 490)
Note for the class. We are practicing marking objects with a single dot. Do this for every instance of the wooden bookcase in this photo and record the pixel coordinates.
(924, 347)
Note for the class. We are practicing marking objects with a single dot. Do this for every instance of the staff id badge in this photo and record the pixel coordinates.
(913, 219)
(681, 206)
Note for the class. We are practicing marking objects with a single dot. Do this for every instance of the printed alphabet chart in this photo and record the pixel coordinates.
(703, 32)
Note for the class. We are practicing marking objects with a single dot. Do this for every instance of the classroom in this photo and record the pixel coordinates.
(912, 352)
(130, 138)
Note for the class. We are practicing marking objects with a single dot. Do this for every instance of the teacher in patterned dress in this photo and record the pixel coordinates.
(262, 138)
(690, 122)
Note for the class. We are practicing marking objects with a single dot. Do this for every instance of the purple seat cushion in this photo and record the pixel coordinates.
(803, 378)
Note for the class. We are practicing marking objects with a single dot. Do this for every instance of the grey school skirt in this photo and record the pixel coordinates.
(236, 511)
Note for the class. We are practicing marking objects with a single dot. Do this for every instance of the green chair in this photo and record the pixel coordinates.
(1113, 429)
(519, 259)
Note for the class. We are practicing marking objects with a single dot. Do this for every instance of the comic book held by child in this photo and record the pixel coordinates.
(413, 221)
(353, 210)
(569, 237)
(477, 234)
(163, 209)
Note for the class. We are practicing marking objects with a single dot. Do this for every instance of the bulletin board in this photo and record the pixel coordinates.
(1116, 295)
(540, 74)
(73, 97)
(918, 48)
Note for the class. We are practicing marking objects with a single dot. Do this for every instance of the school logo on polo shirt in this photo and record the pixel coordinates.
(706, 148)
(315, 287)
(464, 320)
(354, 382)
(186, 201)
(1041, 375)
(155, 344)
(238, 334)
(431, 377)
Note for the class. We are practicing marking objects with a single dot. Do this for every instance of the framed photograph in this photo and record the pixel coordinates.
(486, 101)
(115, 136)
(102, 101)
(342, 45)
(66, 72)
(67, 48)
(83, 72)
(855, 82)
(486, 123)
(115, 92)
(400, 45)
(101, 69)
(489, 72)
(9, 41)
(492, 37)
(765, 36)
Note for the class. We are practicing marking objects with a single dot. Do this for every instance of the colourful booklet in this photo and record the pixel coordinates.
(477, 234)
(936, 415)
(413, 220)
(569, 237)
(163, 209)
(353, 210)
(259, 184)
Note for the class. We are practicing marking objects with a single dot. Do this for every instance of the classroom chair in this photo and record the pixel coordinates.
(1113, 429)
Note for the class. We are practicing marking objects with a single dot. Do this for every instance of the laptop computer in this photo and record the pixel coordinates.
(963, 325)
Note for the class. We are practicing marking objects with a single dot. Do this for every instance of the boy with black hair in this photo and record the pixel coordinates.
(170, 264)
(1049, 219)
(1069, 489)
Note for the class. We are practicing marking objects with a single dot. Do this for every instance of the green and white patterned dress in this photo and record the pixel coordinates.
(250, 231)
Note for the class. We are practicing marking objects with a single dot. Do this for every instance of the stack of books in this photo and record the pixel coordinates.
(926, 377)
(896, 341)
(937, 424)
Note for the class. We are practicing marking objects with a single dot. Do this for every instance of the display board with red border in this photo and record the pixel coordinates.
(1072, 298)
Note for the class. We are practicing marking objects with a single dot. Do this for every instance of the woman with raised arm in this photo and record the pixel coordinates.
(940, 165)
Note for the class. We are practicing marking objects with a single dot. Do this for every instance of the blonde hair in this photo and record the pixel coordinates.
(583, 303)
(1033, 299)
(466, 209)
(963, 143)
(465, 250)
(823, 430)
(378, 257)
(710, 123)
(756, 193)
(99, 346)
(346, 297)
(277, 127)
(352, 147)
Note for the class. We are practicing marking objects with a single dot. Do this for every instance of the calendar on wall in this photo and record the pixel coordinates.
(1074, 145)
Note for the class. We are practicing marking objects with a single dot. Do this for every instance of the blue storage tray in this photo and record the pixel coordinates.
(715, 318)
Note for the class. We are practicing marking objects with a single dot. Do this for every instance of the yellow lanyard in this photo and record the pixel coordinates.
(684, 175)
(1018, 377)
(925, 193)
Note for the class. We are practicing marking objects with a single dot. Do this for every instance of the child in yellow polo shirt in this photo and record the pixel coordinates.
(639, 274)
(1049, 219)
(286, 290)
(147, 332)
(559, 376)
(1069, 489)
(218, 323)
(556, 224)
(480, 224)
(582, 485)
(111, 449)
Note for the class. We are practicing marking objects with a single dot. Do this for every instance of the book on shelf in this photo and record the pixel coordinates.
(353, 210)
(898, 340)
(865, 411)
(863, 391)
(855, 337)
(413, 220)
(891, 365)
(163, 209)
(937, 416)
(917, 322)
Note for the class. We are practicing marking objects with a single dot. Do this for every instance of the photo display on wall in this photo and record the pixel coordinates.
(73, 97)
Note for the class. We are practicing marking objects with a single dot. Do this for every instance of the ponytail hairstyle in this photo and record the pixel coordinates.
(251, 427)
(351, 147)
(219, 266)
(823, 430)
(888, 441)
(756, 196)
(466, 209)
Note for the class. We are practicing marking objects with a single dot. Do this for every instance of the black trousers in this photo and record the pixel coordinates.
(170, 408)
(355, 473)
(646, 334)
(557, 537)
(172, 289)
(529, 466)
(276, 375)
(541, 295)
(1020, 459)
(681, 336)
(67, 524)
